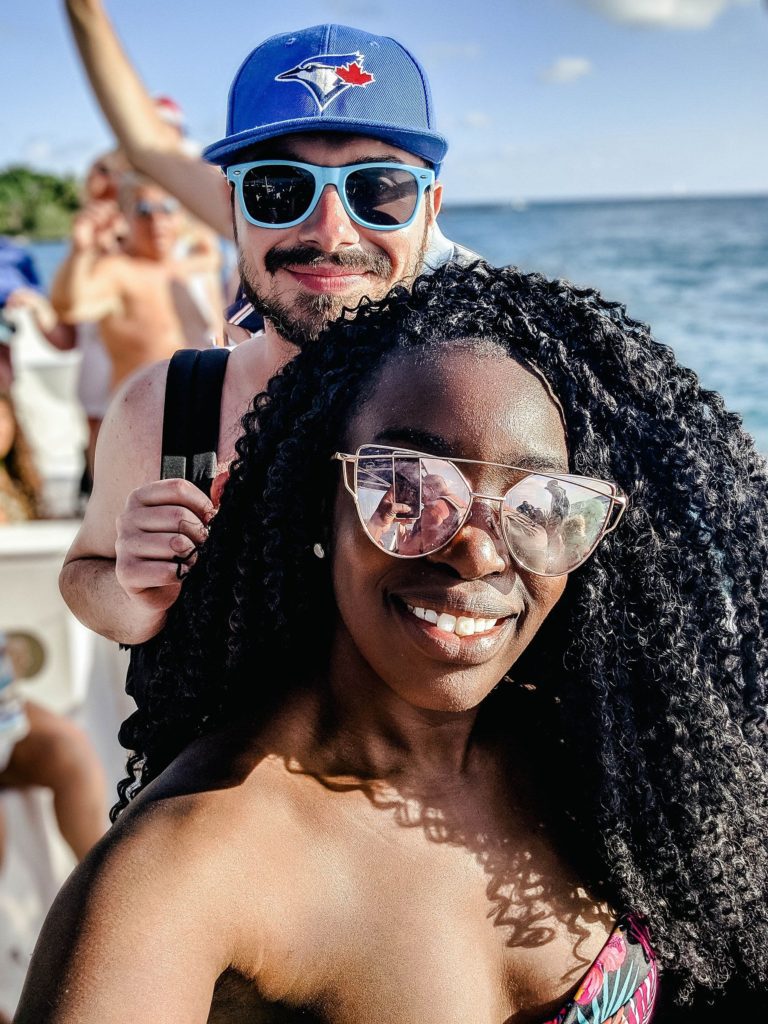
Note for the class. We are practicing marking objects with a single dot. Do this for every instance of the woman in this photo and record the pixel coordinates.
(445, 786)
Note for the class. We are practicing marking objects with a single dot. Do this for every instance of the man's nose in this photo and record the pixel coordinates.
(478, 549)
(329, 226)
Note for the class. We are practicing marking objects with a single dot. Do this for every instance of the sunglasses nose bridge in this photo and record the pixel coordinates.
(478, 521)
(492, 516)
(328, 221)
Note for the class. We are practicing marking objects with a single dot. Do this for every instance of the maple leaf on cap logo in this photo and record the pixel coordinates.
(328, 75)
(353, 74)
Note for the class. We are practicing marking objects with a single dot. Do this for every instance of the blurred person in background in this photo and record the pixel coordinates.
(139, 295)
(37, 747)
(40, 748)
(196, 249)
(101, 185)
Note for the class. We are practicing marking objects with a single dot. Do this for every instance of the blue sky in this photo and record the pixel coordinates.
(539, 98)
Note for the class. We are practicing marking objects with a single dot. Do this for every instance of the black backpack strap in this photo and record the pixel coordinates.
(178, 388)
(191, 418)
(190, 445)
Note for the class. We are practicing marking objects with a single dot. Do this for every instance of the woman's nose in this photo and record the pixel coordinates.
(478, 549)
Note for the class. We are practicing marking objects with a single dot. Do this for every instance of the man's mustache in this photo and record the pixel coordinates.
(377, 263)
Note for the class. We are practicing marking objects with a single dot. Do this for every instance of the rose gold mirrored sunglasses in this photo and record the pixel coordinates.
(412, 504)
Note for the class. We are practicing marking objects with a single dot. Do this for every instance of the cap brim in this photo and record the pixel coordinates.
(429, 146)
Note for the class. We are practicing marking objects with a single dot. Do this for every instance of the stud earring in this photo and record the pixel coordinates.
(318, 550)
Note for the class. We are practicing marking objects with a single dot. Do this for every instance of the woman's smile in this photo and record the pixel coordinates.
(462, 638)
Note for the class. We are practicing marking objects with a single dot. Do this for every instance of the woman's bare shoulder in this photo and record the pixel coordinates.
(227, 780)
(163, 878)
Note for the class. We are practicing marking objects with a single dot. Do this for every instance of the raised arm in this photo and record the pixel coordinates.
(140, 932)
(86, 287)
(152, 146)
(119, 577)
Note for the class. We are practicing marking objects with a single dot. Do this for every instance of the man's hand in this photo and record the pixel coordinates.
(161, 528)
(39, 307)
(93, 225)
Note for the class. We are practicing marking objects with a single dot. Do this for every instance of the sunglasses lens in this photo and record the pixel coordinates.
(382, 196)
(552, 525)
(146, 208)
(277, 194)
(409, 505)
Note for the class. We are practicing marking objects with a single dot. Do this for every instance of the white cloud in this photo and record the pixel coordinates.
(450, 51)
(476, 119)
(37, 151)
(664, 13)
(566, 70)
(60, 156)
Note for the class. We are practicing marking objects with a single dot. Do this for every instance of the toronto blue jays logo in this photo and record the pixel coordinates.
(328, 75)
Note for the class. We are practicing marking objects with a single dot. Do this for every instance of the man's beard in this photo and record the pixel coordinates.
(303, 320)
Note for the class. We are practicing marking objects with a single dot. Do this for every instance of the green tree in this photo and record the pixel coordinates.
(36, 204)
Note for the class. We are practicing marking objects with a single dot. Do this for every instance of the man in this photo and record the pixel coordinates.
(138, 295)
(326, 98)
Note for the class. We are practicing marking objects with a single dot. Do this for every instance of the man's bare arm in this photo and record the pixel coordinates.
(120, 575)
(151, 145)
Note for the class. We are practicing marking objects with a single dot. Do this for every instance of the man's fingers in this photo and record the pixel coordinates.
(142, 576)
(161, 519)
(172, 492)
(157, 584)
(161, 530)
(154, 547)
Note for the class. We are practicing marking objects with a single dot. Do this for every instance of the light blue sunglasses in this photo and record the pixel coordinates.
(283, 193)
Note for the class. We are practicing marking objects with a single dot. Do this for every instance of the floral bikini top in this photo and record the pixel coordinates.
(620, 987)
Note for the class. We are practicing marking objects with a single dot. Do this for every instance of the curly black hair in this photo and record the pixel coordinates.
(647, 682)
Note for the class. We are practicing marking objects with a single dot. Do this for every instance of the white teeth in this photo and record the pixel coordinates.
(461, 625)
(446, 623)
(483, 625)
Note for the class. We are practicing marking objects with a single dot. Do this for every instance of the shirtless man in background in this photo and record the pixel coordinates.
(140, 296)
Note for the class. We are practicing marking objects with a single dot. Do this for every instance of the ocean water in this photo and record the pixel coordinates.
(696, 270)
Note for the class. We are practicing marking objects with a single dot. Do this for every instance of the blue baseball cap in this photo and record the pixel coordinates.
(335, 79)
